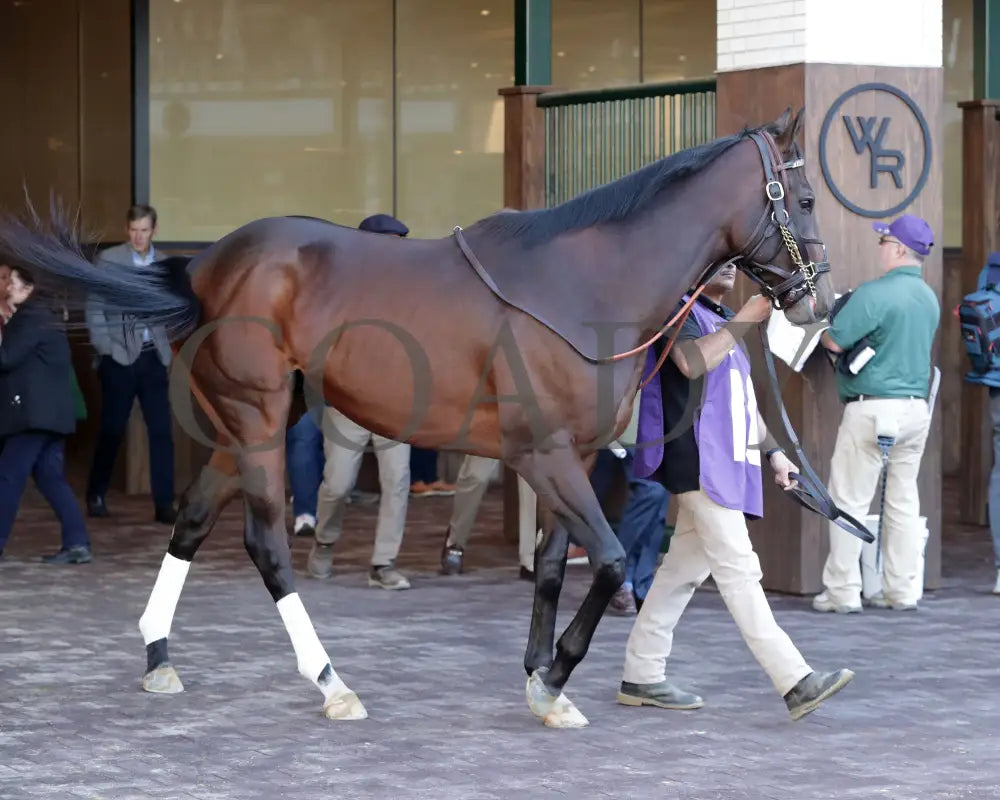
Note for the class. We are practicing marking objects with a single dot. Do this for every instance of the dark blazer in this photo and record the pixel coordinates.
(36, 392)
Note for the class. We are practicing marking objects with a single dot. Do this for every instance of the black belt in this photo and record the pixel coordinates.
(883, 397)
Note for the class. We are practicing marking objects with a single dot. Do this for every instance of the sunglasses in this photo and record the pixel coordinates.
(887, 240)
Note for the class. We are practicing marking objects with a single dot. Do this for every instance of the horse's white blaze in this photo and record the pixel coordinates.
(155, 622)
(309, 651)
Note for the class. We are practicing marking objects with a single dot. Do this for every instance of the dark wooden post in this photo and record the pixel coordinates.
(980, 237)
(523, 188)
(524, 151)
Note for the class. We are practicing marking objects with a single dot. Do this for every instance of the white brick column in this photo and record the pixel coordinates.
(768, 33)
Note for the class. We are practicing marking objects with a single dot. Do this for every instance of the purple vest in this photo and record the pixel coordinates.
(725, 427)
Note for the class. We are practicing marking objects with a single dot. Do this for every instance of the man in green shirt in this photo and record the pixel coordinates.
(891, 321)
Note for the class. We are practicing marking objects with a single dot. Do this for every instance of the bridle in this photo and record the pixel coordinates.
(774, 221)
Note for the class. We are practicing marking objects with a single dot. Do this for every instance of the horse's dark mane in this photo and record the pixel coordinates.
(611, 202)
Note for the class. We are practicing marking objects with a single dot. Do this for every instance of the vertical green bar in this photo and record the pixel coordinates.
(986, 49)
(555, 142)
(574, 150)
(592, 148)
(532, 42)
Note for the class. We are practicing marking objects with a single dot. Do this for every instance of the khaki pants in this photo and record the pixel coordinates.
(473, 480)
(854, 481)
(341, 471)
(710, 539)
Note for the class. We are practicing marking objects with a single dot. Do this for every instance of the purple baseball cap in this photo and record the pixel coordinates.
(912, 231)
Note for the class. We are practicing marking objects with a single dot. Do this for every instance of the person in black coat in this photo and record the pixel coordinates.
(37, 413)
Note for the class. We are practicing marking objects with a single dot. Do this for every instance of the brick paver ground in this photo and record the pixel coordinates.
(439, 670)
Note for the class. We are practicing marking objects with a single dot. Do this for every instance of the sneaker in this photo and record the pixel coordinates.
(72, 555)
(879, 601)
(305, 525)
(661, 695)
(996, 588)
(387, 577)
(822, 602)
(452, 557)
(623, 602)
(813, 689)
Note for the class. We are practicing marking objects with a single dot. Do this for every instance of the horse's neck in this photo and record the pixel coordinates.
(664, 253)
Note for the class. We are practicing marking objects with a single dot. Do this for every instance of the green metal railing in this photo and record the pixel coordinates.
(593, 137)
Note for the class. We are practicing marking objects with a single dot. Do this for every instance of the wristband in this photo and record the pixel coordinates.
(772, 451)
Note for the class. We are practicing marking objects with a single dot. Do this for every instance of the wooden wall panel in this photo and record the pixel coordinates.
(953, 364)
(980, 237)
(65, 80)
(746, 99)
(792, 543)
(105, 91)
(38, 76)
(850, 239)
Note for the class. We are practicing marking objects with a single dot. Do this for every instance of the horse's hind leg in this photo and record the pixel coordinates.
(200, 506)
(560, 479)
(263, 484)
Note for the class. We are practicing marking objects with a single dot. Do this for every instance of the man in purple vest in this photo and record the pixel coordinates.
(711, 461)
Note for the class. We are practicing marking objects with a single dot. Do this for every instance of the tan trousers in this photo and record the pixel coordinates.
(340, 473)
(854, 481)
(710, 539)
(473, 480)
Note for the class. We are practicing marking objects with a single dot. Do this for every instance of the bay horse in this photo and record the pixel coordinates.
(402, 336)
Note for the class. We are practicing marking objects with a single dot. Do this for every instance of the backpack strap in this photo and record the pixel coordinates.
(990, 274)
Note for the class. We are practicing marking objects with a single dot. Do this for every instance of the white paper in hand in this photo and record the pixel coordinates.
(791, 343)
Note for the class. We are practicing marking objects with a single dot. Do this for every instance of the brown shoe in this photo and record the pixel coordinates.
(623, 603)
(421, 489)
(443, 489)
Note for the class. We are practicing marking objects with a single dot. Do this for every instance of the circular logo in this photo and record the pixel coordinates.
(871, 140)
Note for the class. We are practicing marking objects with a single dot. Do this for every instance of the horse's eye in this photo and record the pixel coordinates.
(806, 204)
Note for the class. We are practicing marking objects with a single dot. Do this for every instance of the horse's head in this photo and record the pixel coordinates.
(783, 252)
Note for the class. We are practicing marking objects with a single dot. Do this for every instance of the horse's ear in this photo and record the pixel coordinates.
(788, 133)
(780, 125)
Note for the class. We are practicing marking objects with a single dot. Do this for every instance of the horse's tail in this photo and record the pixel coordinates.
(159, 294)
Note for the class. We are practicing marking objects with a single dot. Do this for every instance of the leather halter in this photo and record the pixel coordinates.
(775, 220)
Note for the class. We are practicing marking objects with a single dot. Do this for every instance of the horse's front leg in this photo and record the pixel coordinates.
(560, 479)
(550, 570)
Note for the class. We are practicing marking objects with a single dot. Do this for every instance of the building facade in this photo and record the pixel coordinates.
(221, 111)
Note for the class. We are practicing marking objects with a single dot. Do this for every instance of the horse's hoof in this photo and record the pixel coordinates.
(344, 706)
(565, 715)
(555, 712)
(162, 680)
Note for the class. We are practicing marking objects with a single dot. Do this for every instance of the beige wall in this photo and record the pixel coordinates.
(450, 61)
(268, 108)
(292, 107)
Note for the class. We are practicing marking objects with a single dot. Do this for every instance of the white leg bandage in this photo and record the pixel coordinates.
(159, 614)
(309, 652)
